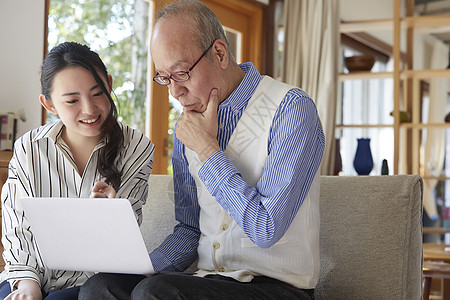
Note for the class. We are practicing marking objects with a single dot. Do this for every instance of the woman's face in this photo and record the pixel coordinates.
(79, 102)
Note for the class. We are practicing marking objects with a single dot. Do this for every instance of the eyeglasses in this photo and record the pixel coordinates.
(181, 76)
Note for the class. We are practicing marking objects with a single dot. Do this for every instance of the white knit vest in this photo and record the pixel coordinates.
(224, 248)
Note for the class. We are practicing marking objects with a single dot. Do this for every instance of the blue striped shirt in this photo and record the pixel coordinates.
(295, 146)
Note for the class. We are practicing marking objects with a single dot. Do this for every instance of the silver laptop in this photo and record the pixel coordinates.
(88, 234)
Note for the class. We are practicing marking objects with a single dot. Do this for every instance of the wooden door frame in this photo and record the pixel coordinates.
(46, 11)
(158, 95)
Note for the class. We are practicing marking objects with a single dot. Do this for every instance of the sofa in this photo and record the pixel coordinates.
(370, 235)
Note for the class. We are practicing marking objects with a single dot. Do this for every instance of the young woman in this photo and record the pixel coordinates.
(87, 153)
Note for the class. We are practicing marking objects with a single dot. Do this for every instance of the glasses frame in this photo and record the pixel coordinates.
(161, 79)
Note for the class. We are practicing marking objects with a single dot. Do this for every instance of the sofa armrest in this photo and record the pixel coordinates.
(370, 237)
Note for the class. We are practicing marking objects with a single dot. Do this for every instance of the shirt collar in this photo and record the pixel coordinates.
(238, 99)
(51, 131)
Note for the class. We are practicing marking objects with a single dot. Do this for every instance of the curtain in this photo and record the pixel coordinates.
(310, 60)
(435, 138)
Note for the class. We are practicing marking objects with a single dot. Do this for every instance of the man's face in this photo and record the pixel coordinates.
(174, 49)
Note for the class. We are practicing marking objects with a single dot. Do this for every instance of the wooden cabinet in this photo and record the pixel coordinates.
(406, 81)
(5, 157)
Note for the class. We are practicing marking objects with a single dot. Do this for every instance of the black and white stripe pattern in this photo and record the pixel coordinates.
(43, 166)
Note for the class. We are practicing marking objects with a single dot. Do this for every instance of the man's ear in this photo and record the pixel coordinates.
(220, 51)
(47, 104)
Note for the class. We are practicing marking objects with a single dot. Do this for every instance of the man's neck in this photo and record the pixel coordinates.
(234, 78)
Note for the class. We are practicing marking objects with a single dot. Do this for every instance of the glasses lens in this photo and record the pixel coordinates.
(161, 80)
(180, 76)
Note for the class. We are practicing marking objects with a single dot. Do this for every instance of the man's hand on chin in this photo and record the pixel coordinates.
(198, 131)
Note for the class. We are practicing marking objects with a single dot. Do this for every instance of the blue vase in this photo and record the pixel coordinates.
(363, 162)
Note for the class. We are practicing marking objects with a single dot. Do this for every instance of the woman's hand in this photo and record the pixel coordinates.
(103, 190)
(27, 289)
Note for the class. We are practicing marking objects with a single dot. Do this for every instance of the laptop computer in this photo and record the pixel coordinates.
(88, 234)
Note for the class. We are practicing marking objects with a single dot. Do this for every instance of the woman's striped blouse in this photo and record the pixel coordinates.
(43, 166)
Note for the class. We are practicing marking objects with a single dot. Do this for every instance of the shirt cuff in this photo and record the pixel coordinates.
(14, 277)
(160, 262)
(217, 169)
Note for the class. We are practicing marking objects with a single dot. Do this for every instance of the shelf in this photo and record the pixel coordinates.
(424, 74)
(438, 230)
(435, 178)
(433, 21)
(365, 126)
(407, 84)
(425, 125)
(406, 125)
(415, 74)
(442, 20)
(365, 75)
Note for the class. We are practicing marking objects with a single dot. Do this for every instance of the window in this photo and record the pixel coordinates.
(117, 31)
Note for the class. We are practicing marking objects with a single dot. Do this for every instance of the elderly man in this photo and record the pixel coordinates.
(246, 158)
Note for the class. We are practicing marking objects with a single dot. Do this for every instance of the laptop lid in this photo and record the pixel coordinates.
(88, 234)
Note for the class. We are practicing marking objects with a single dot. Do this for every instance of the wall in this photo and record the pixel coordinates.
(22, 40)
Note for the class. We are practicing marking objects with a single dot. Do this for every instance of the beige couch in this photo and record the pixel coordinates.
(370, 239)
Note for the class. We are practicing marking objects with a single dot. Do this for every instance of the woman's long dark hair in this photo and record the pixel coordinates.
(70, 54)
